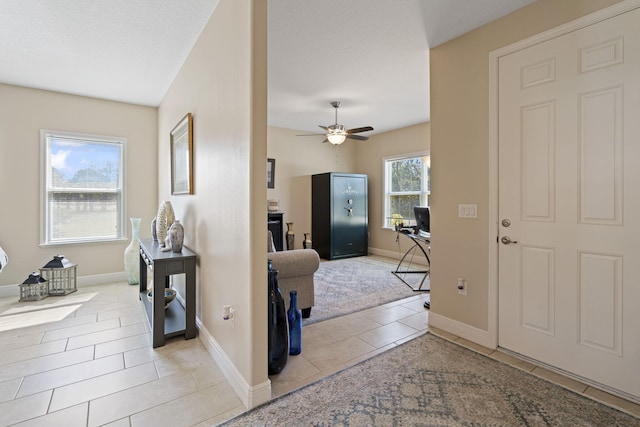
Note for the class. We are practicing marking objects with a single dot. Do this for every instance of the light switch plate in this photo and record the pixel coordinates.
(467, 211)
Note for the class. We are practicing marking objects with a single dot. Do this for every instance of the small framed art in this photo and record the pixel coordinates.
(271, 173)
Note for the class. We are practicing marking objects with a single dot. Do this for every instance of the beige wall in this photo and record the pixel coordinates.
(370, 155)
(223, 83)
(460, 153)
(297, 158)
(23, 113)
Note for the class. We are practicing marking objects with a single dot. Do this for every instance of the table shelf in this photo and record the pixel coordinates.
(174, 316)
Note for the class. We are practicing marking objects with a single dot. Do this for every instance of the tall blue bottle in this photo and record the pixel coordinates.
(294, 316)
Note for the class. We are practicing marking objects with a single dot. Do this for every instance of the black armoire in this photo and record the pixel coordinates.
(339, 219)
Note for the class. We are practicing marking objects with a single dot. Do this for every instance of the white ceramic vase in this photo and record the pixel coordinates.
(132, 253)
(164, 219)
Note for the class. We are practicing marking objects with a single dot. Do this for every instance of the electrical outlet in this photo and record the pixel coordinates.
(462, 286)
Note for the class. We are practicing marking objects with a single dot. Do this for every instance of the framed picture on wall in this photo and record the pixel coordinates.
(271, 173)
(182, 156)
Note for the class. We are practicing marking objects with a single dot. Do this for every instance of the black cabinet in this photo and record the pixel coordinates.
(274, 223)
(339, 219)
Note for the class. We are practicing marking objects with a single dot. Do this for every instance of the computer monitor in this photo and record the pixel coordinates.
(421, 214)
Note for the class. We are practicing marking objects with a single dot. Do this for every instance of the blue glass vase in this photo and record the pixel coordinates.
(278, 336)
(294, 317)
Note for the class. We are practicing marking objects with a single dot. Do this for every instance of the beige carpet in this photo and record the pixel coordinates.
(352, 284)
(432, 382)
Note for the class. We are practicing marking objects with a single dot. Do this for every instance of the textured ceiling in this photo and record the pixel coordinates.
(123, 50)
(372, 55)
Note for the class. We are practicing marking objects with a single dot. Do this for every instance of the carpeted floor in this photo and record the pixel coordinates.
(352, 284)
(432, 382)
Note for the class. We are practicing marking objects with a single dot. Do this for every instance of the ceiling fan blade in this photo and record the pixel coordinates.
(325, 140)
(358, 130)
(312, 134)
(324, 127)
(358, 137)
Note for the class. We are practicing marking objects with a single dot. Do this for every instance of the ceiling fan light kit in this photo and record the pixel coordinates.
(336, 139)
(337, 134)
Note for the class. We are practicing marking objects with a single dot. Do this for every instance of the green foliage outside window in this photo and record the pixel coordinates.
(407, 186)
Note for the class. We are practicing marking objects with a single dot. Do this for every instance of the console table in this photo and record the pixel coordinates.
(176, 319)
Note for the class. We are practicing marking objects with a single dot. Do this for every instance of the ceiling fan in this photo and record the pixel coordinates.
(336, 134)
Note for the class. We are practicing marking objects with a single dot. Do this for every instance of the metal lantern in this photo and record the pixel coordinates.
(61, 274)
(34, 288)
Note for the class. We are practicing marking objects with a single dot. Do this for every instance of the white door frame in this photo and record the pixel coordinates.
(494, 57)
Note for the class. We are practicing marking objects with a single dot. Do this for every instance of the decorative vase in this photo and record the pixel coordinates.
(154, 234)
(132, 253)
(294, 318)
(307, 241)
(164, 219)
(176, 236)
(290, 236)
(278, 336)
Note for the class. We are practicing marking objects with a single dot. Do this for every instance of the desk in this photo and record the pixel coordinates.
(176, 319)
(418, 241)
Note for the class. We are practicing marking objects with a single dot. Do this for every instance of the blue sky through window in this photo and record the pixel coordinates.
(101, 160)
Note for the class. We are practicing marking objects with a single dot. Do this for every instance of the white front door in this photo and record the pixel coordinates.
(569, 201)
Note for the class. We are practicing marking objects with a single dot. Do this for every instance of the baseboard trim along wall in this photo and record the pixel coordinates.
(98, 279)
(417, 259)
(462, 330)
(251, 396)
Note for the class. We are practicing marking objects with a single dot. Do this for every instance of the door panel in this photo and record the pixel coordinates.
(569, 132)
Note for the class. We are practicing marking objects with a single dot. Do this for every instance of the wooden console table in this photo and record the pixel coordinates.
(176, 319)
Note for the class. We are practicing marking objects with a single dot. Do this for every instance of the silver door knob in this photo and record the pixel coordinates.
(507, 240)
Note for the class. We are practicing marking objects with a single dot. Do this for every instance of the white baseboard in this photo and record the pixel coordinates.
(251, 396)
(10, 291)
(462, 330)
(98, 279)
(417, 259)
(101, 279)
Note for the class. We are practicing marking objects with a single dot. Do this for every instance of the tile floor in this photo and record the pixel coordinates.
(334, 344)
(86, 360)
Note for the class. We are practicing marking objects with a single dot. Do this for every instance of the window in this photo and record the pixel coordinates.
(82, 188)
(406, 183)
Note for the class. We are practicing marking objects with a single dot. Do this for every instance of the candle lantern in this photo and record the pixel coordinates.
(61, 275)
(34, 288)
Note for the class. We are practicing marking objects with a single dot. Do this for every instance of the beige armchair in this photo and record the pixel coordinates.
(295, 273)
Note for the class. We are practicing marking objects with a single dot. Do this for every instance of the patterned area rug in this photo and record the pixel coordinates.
(352, 284)
(432, 382)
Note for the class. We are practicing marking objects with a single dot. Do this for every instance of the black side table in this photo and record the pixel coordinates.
(274, 223)
(176, 319)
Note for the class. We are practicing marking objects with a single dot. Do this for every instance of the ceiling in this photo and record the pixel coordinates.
(372, 55)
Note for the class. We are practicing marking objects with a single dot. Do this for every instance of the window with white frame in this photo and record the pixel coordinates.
(406, 184)
(82, 188)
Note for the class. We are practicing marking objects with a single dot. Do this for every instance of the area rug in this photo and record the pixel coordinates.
(347, 285)
(432, 382)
